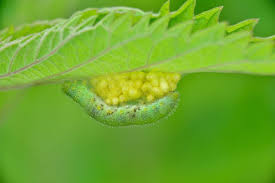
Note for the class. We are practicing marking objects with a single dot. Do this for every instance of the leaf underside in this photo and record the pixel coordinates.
(111, 40)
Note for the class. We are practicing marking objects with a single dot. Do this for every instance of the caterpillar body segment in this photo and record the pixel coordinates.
(132, 113)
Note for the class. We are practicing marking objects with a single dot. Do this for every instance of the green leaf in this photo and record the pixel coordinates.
(12, 34)
(247, 25)
(184, 13)
(110, 40)
(165, 9)
(260, 39)
(207, 19)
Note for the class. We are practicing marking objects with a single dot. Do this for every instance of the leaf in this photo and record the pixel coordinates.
(247, 25)
(11, 33)
(207, 18)
(165, 9)
(184, 13)
(110, 40)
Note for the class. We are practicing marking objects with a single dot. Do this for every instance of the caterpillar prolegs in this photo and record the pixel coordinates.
(126, 99)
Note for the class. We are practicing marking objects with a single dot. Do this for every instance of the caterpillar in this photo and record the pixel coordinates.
(125, 100)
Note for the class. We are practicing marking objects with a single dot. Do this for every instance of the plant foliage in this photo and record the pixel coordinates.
(110, 40)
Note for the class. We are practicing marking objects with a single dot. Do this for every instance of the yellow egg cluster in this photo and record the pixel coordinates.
(121, 88)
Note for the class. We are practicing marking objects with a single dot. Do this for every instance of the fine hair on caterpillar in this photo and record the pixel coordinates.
(130, 99)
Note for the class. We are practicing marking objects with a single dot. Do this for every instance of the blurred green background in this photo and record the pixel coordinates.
(222, 132)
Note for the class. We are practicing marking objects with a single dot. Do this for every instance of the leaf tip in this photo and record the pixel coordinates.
(165, 9)
(246, 25)
(220, 8)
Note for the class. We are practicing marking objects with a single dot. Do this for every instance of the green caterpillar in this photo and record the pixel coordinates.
(122, 115)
